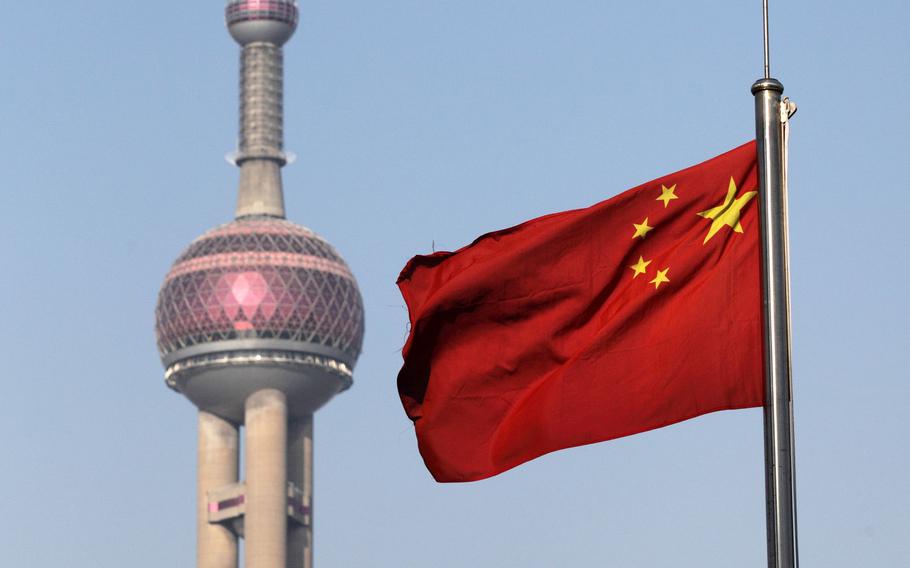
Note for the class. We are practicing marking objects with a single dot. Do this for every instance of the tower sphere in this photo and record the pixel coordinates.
(259, 303)
(272, 21)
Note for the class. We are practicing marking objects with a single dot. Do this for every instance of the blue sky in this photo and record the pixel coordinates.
(430, 122)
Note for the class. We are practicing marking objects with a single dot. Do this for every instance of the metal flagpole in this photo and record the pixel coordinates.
(780, 489)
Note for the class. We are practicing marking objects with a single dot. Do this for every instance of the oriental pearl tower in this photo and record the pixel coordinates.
(259, 323)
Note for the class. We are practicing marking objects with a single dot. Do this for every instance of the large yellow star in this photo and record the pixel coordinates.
(728, 212)
(667, 194)
(660, 278)
(641, 229)
(640, 267)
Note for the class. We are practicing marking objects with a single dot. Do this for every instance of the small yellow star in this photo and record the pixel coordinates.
(667, 194)
(660, 278)
(641, 229)
(728, 212)
(640, 267)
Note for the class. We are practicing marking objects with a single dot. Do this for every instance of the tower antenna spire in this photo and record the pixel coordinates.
(261, 27)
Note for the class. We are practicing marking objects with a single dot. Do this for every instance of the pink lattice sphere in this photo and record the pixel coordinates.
(260, 279)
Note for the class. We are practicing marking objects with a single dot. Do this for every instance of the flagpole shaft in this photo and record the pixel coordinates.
(780, 490)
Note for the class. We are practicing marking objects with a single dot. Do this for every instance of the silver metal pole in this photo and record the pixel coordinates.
(767, 42)
(780, 490)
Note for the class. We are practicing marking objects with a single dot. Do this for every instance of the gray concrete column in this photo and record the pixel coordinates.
(260, 152)
(300, 472)
(216, 545)
(260, 191)
(265, 525)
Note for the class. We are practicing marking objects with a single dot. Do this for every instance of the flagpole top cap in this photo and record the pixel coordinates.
(767, 84)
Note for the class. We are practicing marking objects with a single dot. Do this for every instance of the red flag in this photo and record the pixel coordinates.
(577, 327)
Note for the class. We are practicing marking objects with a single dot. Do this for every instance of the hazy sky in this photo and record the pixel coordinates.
(422, 121)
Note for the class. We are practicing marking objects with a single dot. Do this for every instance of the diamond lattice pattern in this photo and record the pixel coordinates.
(260, 278)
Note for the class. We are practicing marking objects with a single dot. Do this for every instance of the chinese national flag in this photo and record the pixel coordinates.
(577, 327)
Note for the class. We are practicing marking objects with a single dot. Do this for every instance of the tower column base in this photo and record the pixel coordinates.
(265, 527)
(300, 473)
(216, 545)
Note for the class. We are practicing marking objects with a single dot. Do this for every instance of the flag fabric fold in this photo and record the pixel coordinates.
(588, 325)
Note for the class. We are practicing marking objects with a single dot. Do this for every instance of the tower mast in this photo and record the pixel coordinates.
(261, 28)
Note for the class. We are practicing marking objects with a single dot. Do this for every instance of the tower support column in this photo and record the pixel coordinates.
(300, 473)
(216, 545)
(266, 421)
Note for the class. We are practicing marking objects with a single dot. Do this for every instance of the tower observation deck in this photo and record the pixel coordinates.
(259, 323)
